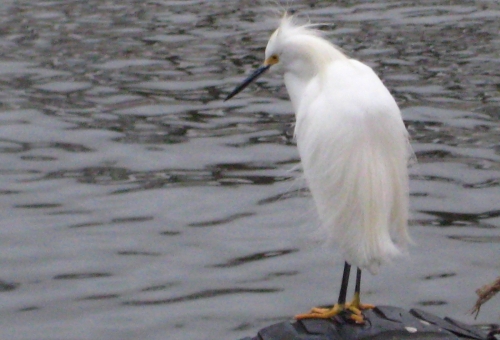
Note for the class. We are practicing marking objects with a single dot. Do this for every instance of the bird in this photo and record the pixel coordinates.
(354, 150)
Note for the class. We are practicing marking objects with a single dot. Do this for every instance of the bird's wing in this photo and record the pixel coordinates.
(353, 146)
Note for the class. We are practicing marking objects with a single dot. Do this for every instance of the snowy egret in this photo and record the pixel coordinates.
(354, 151)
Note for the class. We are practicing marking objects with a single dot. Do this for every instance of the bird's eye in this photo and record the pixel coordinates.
(274, 59)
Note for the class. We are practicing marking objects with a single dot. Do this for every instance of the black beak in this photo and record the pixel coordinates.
(256, 74)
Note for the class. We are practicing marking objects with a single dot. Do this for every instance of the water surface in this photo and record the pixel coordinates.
(137, 204)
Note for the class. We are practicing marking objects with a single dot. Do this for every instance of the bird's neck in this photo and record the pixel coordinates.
(308, 65)
(295, 85)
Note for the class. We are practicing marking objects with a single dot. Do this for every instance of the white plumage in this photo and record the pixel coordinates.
(353, 147)
(352, 143)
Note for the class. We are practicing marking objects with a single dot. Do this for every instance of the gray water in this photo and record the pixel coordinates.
(136, 204)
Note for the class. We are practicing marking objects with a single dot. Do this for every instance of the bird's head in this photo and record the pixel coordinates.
(273, 56)
(294, 48)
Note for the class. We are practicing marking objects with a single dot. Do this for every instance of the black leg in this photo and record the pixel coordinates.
(345, 283)
(357, 289)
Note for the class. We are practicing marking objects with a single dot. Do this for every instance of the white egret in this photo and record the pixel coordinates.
(353, 147)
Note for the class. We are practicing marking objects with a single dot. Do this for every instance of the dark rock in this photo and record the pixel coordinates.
(381, 323)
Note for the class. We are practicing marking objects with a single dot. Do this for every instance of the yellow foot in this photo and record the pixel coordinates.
(357, 308)
(357, 314)
(356, 303)
(321, 313)
(354, 307)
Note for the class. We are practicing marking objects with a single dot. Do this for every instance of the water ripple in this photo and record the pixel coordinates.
(8, 286)
(221, 221)
(476, 239)
(254, 257)
(211, 293)
(455, 219)
(125, 177)
(81, 276)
